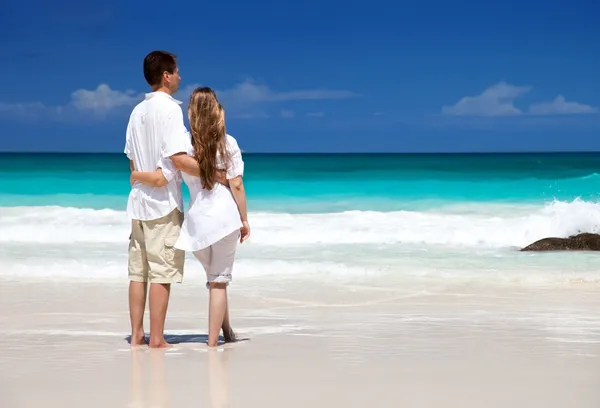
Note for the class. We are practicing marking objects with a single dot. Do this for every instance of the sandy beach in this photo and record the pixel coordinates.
(463, 345)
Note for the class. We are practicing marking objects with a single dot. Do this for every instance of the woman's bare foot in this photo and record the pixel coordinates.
(229, 335)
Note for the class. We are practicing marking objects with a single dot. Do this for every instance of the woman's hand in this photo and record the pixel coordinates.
(244, 232)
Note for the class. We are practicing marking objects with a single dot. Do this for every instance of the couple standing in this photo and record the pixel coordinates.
(162, 153)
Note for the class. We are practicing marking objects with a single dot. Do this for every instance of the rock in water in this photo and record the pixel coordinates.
(579, 242)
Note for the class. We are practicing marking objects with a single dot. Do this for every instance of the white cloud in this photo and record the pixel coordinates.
(287, 114)
(249, 92)
(241, 101)
(247, 97)
(497, 100)
(96, 102)
(103, 99)
(559, 106)
(251, 115)
(29, 110)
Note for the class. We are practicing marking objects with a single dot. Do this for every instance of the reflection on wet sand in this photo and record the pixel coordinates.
(137, 377)
(155, 391)
(218, 377)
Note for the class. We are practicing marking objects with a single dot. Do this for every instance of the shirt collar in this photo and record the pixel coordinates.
(162, 94)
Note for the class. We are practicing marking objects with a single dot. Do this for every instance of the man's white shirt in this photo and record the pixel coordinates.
(154, 124)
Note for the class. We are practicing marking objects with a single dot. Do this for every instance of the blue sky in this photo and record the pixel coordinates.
(311, 76)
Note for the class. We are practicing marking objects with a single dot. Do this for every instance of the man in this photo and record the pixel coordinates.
(156, 213)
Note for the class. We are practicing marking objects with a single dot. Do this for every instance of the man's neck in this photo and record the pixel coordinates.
(162, 89)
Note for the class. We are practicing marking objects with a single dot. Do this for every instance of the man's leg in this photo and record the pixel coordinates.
(166, 267)
(137, 304)
(138, 276)
(159, 303)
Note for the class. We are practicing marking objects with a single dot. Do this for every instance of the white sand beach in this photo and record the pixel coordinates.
(325, 345)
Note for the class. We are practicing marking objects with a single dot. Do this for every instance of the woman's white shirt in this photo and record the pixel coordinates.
(211, 214)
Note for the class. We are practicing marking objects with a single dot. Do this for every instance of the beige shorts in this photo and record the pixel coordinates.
(218, 258)
(152, 254)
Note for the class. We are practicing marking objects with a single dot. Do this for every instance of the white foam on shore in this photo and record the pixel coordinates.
(97, 269)
(462, 243)
(508, 226)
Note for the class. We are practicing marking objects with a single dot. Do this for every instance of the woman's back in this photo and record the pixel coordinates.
(212, 214)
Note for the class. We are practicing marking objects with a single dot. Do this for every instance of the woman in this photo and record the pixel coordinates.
(216, 217)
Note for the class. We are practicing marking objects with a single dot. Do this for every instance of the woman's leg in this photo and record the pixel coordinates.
(217, 300)
(205, 257)
(219, 275)
(216, 311)
(228, 332)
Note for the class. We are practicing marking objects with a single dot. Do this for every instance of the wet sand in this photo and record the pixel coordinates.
(327, 346)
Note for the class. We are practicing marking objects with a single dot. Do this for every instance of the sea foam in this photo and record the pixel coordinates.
(503, 226)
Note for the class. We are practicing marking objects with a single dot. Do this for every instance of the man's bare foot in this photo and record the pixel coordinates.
(160, 344)
(229, 335)
(138, 339)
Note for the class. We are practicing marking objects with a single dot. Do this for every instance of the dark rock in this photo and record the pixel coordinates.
(579, 242)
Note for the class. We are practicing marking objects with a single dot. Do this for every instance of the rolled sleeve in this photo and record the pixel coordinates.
(175, 134)
(127, 149)
(235, 166)
(168, 168)
(128, 152)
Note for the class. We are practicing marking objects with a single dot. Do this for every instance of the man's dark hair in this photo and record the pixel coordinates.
(156, 63)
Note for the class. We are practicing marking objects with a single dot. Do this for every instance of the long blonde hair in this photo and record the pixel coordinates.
(207, 126)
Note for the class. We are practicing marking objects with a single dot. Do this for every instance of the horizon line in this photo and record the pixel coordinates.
(22, 152)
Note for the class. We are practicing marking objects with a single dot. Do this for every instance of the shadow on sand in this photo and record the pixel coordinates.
(188, 338)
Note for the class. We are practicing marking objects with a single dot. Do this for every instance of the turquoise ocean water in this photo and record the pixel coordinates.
(322, 183)
(429, 217)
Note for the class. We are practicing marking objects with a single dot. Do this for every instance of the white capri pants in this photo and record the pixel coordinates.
(218, 259)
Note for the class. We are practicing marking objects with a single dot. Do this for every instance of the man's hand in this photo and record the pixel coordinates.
(186, 163)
